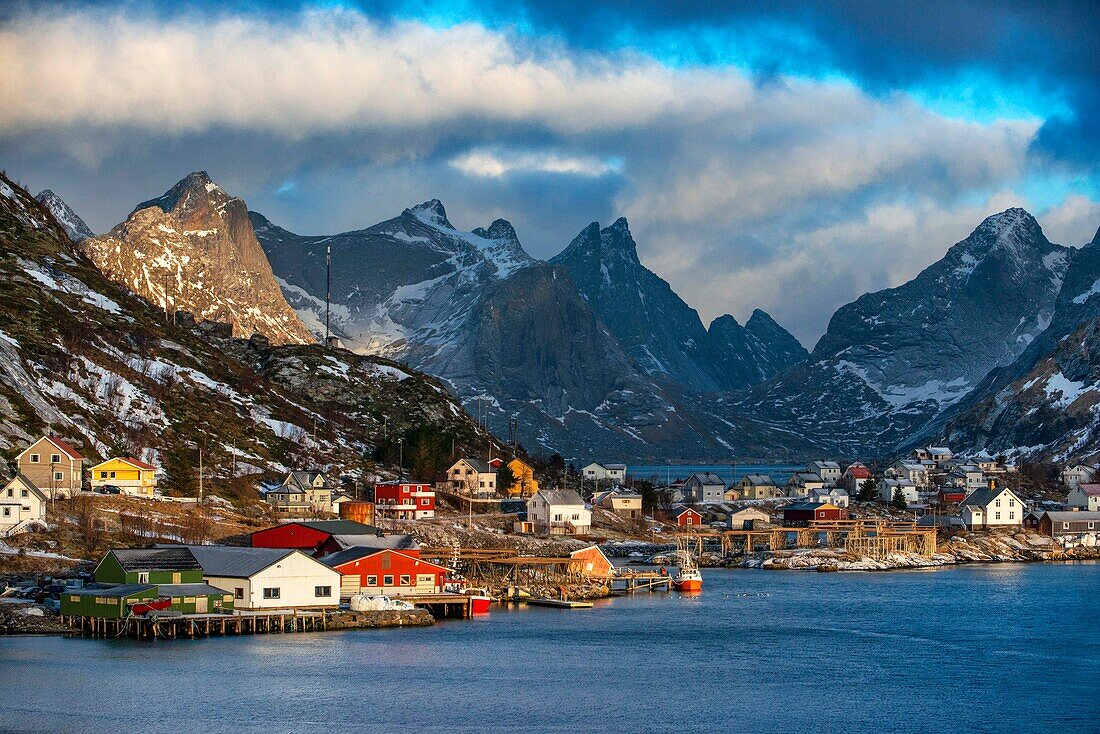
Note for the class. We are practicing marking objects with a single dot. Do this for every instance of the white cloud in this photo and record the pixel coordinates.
(495, 164)
(1073, 221)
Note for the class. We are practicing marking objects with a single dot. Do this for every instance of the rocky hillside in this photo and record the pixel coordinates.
(73, 225)
(87, 359)
(193, 249)
(892, 361)
(662, 333)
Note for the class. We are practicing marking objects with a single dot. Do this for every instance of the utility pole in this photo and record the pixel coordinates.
(400, 458)
(166, 294)
(200, 475)
(328, 288)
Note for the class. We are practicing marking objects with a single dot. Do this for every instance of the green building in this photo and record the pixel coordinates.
(130, 576)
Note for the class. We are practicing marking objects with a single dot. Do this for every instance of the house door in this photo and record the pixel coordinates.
(200, 604)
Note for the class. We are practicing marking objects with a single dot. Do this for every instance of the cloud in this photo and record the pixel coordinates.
(791, 193)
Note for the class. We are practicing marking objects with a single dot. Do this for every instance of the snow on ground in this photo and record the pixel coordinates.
(1092, 291)
(66, 283)
(1067, 390)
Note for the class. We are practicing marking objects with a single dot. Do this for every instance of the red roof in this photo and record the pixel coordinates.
(138, 463)
(858, 472)
(65, 447)
(1090, 490)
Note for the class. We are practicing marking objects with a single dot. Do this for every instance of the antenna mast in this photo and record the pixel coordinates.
(328, 288)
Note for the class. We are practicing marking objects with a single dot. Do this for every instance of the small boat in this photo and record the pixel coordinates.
(688, 579)
(479, 600)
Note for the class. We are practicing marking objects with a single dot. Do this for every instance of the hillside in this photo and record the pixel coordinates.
(86, 359)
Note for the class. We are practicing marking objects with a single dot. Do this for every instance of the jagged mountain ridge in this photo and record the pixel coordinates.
(893, 360)
(69, 220)
(659, 330)
(193, 249)
(132, 384)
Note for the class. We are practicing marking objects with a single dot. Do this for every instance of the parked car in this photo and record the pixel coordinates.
(110, 489)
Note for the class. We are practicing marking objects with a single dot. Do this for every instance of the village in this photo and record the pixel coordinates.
(405, 552)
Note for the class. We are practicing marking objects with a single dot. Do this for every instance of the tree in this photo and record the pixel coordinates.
(505, 478)
(866, 490)
(899, 499)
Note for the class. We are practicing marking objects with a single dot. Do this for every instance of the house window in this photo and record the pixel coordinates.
(372, 581)
(424, 501)
(272, 593)
(998, 503)
(576, 516)
(34, 458)
(55, 458)
(322, 591)
(1065, 526)
(997, 516)
(406, 580)
(387, 580)
(7, 512)
(143, 577)
(557, 517)
(1092, 526)
(1012, 503)
(238, 592)
(103, 475)
(1012, 516)
(58, 476)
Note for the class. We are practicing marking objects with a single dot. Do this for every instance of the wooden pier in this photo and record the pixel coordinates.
(870, 537)
(190, 626)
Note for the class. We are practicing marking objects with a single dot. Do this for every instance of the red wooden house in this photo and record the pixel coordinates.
(404, 500)
(591, 561)
(951, 495)
(686, 517)
(316, 537)
(801, 514)
(391, 572)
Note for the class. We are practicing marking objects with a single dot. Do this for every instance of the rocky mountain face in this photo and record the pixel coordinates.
(85, 358)
(894, 360)
(659, 330)
(70, 221)
(194, 249)
(1044, 402)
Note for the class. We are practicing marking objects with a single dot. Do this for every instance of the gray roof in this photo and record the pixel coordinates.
(759, 480)
(940, 521)
(305, 478)
(982, 497)
(560, 497)
(1070, 516)
(378, 542)
(190, 590)
(236, 562)
(481, 466)
(175, 558)
(110, 590)
(825, 464)
(707, 478)
(614, 467)
(805, 476)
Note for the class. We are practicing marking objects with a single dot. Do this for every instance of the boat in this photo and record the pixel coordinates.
(687, 578)
(479, 600)
(456, 583)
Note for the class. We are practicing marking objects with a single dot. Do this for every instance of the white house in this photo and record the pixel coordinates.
(704, 488)
(887, 487)
(803, 484)
(967, 476)
(915, 472)
(835, 495)
(302, 492)
(1071, 476)
(472, 477)
(558, 512)
(21, 505)
(596, 472)
(939, 455)
(1085, 497)
(268, 578)
(829, 471)
(992, 507)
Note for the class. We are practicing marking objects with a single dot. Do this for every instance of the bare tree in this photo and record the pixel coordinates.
(88, 526)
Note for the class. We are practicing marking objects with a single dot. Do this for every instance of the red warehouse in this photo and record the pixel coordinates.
(315, 537)
(687, 517)
(393, 573)
(951, 495)
(801, 514)
(405, 500)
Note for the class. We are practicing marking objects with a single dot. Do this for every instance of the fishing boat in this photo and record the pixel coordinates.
(456, 583)
(479, 600)
(687, 578)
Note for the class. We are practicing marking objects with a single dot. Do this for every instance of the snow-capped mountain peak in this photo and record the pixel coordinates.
(69, 220)
(431, 213)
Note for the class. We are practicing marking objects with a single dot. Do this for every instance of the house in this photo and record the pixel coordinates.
(524, 483)
(473, 477)
(914, 472)
(732, 494)
(303, 493)
(625, 504)
(613, 473)
(1072, 528)
(374, 572)
(171, 565)
(829, 471)
(986, 463)
(591, 562)
(801, 514)
(992, 507)
(404, 500)
(53, 466)
(802, 484)
(854, 475)
(339, 499)
(1085, 497)
(758, 487)
(951, 495)
(966, 476)
(315, 537)
(835, 495)
(268, 578)
(941, 522)
(704, 488)
(1076, 474)
(558, 512)
(132, 476)
(22, 505)
(748, 518)
(887, 487)
(686, 517)
(939, 455)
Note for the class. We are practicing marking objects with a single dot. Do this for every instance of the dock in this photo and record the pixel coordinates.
(557, 603)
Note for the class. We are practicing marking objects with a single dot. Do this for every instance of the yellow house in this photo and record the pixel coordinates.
(130, 475)
(523, 482)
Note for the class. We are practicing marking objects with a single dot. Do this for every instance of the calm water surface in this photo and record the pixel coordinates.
(1010, 648)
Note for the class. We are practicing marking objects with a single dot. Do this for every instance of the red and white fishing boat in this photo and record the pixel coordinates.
(687, 579)
(455, 583)
(479, 601)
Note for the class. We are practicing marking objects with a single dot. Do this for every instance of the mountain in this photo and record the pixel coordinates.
(1044, 402)
(73, 225)
(195, 248)
(511, 336)
(85, 358)
(893, 360)
(659, 330)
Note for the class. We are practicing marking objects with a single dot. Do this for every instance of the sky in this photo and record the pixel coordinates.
(781, 155)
